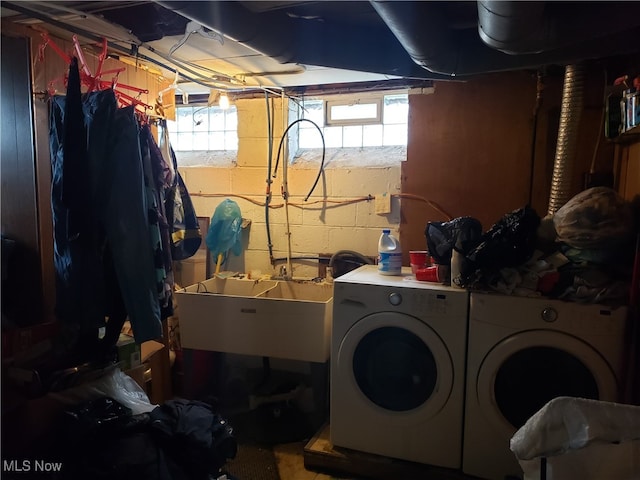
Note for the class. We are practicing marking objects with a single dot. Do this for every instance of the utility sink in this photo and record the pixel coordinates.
(270, 318)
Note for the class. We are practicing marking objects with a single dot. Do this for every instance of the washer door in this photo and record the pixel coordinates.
(399, 364)
(525, 371)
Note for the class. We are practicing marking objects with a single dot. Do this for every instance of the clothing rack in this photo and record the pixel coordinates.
(94, 82)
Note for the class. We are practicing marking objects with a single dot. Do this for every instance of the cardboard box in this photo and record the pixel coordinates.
(156, 356)
(128, 352)
(192, 270)
(149, 349)
(150, 373)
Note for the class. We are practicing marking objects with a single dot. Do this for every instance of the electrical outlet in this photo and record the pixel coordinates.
(383, 203)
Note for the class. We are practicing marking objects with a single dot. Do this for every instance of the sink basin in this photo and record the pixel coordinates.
(227, 287)
(280, 319)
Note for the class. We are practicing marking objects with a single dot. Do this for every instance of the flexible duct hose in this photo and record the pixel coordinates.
(350, 253)
(572, 97)
(282, 139)
(355, 259)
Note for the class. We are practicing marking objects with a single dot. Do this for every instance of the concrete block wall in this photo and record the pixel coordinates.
(328, 222)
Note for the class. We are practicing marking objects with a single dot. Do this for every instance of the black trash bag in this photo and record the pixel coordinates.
(197, 439)
(102, 440)
(103, 413)
(509, 243)
(463, 233)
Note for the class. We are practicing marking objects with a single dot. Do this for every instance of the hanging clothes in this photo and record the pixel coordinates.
(164, 147)
(155, 188)
(117, 215)
(185, 227)
(79, 292)
(75, 190)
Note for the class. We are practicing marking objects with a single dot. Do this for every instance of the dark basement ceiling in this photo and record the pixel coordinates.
(409, 39)
(449, 38)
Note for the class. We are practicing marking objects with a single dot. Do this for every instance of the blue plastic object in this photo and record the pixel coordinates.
(225, 230)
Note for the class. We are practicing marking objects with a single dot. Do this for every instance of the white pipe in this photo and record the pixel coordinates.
(285, 187)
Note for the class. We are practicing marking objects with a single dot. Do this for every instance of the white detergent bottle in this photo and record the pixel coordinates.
(389, 254)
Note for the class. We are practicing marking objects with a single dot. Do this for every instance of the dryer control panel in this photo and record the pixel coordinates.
(395, 299)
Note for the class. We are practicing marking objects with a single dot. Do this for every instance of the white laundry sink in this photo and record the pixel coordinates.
(228, 286)
(280, 319)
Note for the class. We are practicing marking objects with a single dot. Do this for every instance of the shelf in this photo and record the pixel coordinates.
(630, 136)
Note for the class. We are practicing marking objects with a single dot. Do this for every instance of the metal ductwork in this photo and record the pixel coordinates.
(427, 40)
(511, 28)
(422, 29)
(423, 39)
(572, 100)
(532, 27)
(298, 39)
(424, 32)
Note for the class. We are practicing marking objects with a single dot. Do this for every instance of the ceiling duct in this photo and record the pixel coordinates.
(422, 29)
(532, 27)
(291, 38)
(511, 28)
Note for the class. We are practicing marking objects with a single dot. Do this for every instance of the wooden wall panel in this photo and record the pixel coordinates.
(469, 151)
(470, 147)
(22, 289)
(629, 170)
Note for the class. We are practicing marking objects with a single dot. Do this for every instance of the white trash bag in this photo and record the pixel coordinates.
(114, 384)
(596, 218)
(580, 439)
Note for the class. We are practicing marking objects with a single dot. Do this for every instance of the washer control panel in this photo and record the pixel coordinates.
(395, 299)
(549, 314)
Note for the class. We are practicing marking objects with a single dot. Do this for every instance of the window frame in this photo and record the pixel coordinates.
(377, 100)
(224, 132)
(295, 147)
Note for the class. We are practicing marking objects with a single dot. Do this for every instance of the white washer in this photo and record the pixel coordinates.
(397, 367)
(524, 352)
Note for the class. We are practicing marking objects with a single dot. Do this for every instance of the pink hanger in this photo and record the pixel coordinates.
(56, 48)
(93, 82)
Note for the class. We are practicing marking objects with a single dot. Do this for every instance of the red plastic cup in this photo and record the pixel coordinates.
(418, 259)
(428, 274)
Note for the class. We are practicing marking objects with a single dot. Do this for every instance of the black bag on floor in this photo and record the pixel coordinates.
(197, 439)
(101, 440)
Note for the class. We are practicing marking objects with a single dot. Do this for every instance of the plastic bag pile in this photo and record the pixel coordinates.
(583, 253)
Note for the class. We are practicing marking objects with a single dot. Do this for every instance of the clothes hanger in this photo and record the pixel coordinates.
(94, 82)
(48, 41)
(174, 86)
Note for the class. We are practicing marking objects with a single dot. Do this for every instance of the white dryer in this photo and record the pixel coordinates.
(397, 367)
(524, 352)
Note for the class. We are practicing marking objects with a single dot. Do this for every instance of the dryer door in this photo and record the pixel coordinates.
(399, 365)
(525, 371)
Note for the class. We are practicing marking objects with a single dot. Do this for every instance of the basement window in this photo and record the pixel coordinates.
(358, 130)
(203, 135)
(360, 111)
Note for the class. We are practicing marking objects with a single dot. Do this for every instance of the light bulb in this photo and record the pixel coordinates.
(214, 95)
(224, 101)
